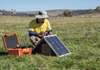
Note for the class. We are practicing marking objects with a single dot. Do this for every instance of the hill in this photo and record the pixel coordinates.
(89, 15)
(55, 12)
(50, 13)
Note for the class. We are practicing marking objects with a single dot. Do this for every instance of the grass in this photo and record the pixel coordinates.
(80, 35)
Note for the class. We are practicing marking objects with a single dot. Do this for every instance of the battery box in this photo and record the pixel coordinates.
(11, 44)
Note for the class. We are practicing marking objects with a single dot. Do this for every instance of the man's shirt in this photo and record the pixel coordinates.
(36, 27)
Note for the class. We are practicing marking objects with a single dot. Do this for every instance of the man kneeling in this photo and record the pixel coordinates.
(39, 27)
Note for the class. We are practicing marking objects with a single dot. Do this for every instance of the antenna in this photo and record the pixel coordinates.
(56, 32)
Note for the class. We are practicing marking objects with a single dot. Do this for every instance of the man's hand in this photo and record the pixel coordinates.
(50, 33)
(42, 33)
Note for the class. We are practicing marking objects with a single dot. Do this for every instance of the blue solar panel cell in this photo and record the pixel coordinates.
(56, 45)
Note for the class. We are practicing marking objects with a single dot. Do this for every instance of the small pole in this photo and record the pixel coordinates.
(56, 32)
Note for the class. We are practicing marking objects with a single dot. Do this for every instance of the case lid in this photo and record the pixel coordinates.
(10, 41)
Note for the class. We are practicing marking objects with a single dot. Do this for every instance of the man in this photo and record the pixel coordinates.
(39, 27)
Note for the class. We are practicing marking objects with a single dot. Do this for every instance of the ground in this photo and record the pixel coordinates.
(81, 35)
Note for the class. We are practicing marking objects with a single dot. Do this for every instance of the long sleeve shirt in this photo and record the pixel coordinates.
(36, 27)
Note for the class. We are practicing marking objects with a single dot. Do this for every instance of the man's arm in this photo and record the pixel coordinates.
(32, 33)
(50, 32)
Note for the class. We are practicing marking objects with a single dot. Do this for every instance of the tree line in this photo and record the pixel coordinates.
(11, 13)
(6, 13)
(66, 13)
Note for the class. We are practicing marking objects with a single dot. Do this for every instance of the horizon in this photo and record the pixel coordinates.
(54, 9)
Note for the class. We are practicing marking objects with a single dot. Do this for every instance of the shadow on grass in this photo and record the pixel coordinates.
(30, 46)
(38, 51)
(3, 53)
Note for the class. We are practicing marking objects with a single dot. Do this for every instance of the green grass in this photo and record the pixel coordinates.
(80, 35)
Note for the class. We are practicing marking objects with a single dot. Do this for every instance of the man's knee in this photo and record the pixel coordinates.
(34, 40)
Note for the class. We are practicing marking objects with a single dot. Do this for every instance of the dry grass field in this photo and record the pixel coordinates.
(81, 35)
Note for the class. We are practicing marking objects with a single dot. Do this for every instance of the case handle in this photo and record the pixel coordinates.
(27, 51)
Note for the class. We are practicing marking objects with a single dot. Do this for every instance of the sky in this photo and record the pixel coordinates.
(36, 5)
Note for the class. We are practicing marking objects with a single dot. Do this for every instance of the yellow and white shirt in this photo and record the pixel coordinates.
(36, 27)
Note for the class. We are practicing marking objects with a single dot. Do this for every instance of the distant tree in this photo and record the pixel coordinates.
(8, 13)
(89, 12)
(31, 15)
(0, 10)
(11, 13)
(97, 9)
(14, 11)
(68, 13)
(5, 12)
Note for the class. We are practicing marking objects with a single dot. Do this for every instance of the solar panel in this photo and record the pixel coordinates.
(56, 45)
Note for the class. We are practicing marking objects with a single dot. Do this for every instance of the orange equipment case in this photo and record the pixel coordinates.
(10, 43)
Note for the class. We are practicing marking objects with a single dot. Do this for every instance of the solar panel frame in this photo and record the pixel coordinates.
(56, 48)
